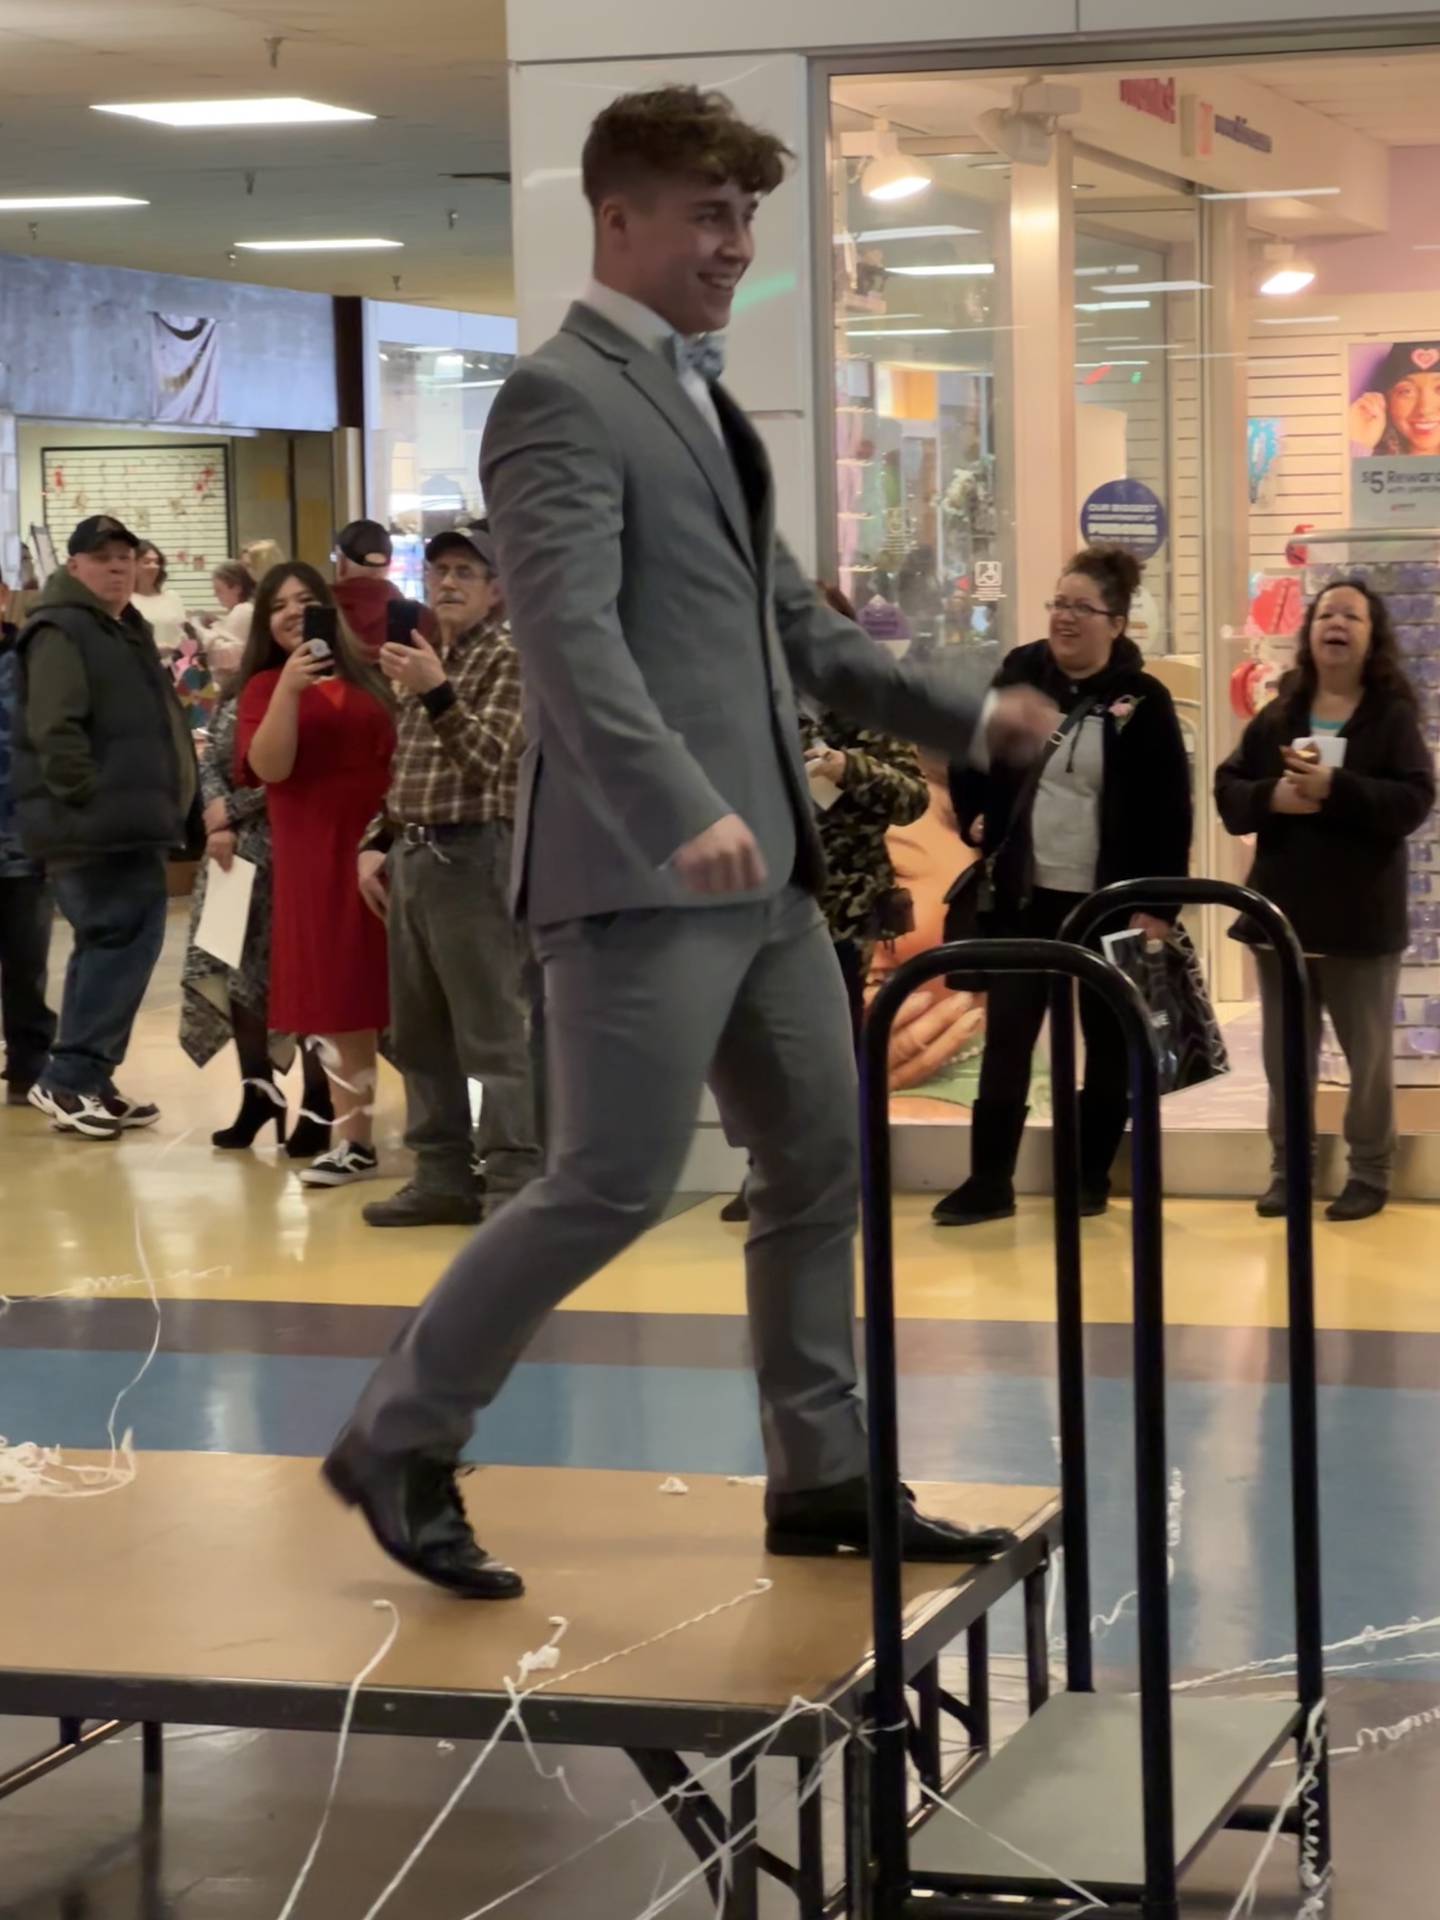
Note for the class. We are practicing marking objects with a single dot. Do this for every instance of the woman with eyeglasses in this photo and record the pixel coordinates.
(1330, 778)
(1109, 799)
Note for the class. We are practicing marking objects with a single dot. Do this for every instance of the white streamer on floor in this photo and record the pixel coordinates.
(29, 1471)
(353, 1694)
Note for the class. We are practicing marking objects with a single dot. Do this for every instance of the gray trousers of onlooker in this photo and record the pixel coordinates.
(640, 1010)
(458, 1009)
(1359, 994)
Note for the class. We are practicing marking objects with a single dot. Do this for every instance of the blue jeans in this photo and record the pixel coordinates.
(116, 907)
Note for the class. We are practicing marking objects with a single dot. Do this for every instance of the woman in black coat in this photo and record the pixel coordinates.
(1109, 801)
(1331, 778)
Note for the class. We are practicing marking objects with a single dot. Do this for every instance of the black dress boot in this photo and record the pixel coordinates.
(1102, 1127)
(989, 1193)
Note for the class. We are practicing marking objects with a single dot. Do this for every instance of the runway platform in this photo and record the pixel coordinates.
(229, 1590)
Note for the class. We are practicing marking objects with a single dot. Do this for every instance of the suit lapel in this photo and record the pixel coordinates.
(663, 390)
(658, 382)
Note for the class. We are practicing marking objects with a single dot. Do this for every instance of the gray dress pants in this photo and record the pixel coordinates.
(640, 1009)
(1359, 994)
(458, 1009)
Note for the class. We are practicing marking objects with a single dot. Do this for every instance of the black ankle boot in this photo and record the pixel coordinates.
(989, 1193)
(317, 1113)
(260, 1107)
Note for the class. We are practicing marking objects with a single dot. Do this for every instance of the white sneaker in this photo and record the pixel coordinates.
(342, 1165)
(82, 1113)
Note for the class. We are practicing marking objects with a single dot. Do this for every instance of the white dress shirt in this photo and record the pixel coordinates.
(654, 334)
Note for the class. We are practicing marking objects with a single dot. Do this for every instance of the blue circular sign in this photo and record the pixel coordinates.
(1125, 513)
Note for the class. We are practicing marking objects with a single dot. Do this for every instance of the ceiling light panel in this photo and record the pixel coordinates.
(277, 111)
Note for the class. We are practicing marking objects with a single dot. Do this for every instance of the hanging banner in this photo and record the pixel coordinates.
(185, 367)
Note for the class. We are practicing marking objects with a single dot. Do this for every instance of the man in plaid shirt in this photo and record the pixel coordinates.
(436, 868)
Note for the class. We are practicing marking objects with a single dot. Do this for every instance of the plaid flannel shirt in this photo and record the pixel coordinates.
(457, 749)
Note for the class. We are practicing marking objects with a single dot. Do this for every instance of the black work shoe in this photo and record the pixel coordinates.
(417, 1206)
(975, 1202)
(735, 1211)
(1093, 1204)
(415, 1512)
(1357, 1202)
(831, 1520)
(1271, 1204)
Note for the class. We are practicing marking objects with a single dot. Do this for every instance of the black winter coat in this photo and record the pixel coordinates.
(1145, 803)
(1339, 876)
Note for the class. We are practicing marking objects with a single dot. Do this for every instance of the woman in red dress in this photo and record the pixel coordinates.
(316, 732)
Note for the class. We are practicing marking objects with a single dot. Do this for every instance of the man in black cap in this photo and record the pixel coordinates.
(104, 783)
(363, 590)
(437, 869)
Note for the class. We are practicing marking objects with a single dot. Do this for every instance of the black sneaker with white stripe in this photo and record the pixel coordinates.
(132, 1114)
(342, 1166)
(81, 1113)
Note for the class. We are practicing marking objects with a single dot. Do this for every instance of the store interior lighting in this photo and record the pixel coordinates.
(1157, 286)
(955, 270)
(278, 111)
(891, 175)
(1277, 193)
(878, 234)
(1285, 272)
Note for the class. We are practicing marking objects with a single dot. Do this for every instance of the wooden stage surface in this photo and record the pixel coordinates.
(230, 1589)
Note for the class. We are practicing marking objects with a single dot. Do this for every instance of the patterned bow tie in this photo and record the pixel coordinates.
(702, 353)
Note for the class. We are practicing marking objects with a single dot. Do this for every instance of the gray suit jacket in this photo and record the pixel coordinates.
(660, 624)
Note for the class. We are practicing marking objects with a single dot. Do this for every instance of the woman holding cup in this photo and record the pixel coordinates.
(1331, 778)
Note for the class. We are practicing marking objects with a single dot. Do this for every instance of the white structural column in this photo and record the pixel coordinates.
(771, 343)
(1036, 437)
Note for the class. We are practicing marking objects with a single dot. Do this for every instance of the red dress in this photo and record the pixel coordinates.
(328, 966)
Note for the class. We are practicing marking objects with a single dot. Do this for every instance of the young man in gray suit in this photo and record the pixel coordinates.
(666, 859)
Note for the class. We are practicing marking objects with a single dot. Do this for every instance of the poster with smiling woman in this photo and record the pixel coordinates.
(1394, 430)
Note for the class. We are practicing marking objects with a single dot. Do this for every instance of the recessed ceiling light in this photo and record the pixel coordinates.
(1158, 286)
(961, 270)
(316, 246)
(899, 333)
(1083, 366)
(1302, 320)
(272, 112)
(1100, 273)
(1278, 193)
(1110, 306)
(58, 203)
(914, 233)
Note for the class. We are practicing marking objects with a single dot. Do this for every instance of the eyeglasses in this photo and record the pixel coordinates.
(1078, 607)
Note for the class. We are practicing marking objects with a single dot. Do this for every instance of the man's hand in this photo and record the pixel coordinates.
(726, 858)
(220, 846)
(1021, 721)
(373, 890)
(1151, 926)
(217, 817)
(417, 669)
(1287, 798)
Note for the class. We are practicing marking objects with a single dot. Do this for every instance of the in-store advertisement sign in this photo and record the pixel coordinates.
(1200, 125)
(1394, 427)
(1125, 513)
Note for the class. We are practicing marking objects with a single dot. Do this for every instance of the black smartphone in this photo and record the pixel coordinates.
(322, 634)
(402, 621)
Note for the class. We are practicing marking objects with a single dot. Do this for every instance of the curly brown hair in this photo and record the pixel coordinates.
(678, 131)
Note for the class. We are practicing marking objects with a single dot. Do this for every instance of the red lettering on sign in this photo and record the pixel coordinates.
(1155, 97)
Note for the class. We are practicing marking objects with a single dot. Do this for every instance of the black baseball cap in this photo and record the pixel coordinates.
(365, 542)
(476, 538)
(92, 534)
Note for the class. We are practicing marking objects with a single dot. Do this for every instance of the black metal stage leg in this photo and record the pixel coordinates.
(743, 1902)
(1037, 1641)
(927, 1695)
(977, 1660)
(152, 1750)
(695, 1814)
(810, 1875)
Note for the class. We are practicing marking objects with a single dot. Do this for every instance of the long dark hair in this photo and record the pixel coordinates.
(1384, 670)
(149, 546)
(263, 651)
